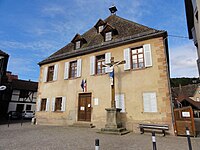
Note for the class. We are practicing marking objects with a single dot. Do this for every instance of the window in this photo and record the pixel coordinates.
(58, 104)
(150, 102)
(24, 94)
(100, 28)
(28, 107)
(137, 58)
(43, 104)
(108, 36)
(100, 61)
(78, 45)
(73, 69)
(50, 73)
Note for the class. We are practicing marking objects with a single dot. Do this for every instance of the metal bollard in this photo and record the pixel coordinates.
(188, 138)
(9, 116)
(154, 140)
(96, 144)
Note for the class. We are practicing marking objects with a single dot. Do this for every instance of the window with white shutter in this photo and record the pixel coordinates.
(147, 55)
(119, 102)
(107, 60)
(66, 70)
(149, 102)
(92, 65)
(45, 74)
(127, 65)
(53, 104)
(38, 104)
(63, 107)
(79, 67)
(47, 104)
(55, 73)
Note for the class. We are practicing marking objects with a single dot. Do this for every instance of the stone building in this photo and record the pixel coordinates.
(74, 84)
(192, 8)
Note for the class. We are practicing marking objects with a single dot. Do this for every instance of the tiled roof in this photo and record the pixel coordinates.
(187, 90)
(127, 31)
(189, 100)
(24, 85)
(3, 53)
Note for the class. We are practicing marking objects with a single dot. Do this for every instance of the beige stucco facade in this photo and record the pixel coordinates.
(131, 83)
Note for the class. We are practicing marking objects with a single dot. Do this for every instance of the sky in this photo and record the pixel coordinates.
(31, 30)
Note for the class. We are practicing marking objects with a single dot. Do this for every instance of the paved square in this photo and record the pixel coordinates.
(35, 137)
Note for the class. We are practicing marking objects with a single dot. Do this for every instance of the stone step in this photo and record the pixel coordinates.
(82, 125)
(116, 131)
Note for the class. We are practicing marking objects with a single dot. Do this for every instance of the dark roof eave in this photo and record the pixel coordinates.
(103, 46)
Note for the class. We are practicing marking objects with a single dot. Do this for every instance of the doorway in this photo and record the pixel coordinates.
(84, 107)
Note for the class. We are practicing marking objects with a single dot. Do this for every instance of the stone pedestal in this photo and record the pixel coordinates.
(113, 122)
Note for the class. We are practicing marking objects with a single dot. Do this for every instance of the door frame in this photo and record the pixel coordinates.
(89, 95)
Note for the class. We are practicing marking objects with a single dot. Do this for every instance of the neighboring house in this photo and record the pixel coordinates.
(24, 94)
(3, 93)
(187, 95)
(192, 13)
(142, 83)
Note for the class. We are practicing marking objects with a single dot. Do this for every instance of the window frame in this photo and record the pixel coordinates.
(137, 59)
(50, 73)
(43, 104)
(108, 36)
(77, 45)
(73, 69)
(58, 104)
(100, 59)
(100, 28)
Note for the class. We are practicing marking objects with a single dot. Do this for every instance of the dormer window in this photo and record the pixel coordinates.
(100, 28)
(108, 36)
(78, 44)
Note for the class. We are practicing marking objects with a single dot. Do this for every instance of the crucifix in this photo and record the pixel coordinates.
(111, 66)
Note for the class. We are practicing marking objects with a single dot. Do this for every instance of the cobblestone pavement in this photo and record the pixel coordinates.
(35, 137)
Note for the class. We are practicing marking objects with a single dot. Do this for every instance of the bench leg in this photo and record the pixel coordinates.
(163, 132)
(141, 130)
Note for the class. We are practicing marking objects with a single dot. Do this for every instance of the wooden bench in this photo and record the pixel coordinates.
(153, 126)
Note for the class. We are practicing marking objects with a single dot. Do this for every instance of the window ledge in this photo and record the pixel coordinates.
(157, 113)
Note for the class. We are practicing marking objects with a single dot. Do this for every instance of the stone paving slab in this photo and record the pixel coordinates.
(35, 137)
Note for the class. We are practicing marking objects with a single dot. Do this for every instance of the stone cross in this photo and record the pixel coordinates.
(111, 66)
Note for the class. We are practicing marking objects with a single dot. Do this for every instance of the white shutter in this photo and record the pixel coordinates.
(150, 102)
(47, 105)
(92, 65)
(45, 74)
(38, 104)
(147, 55)
(63, 104)
(79, 65)
(66, 71)
(119, 102)
(127, 58)
(107, 60)
(55, 73)
(53, 104)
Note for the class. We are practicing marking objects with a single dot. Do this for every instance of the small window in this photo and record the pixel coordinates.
(43, 104)
(24, 94)
(73, 69)
(100, 61)
(50, 73)
(108, 36)
(78, 45)
(100, 29)
(58, 104)
(28, 107)
(137, 58)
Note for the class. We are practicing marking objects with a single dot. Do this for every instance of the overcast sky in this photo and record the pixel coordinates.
(31, 30)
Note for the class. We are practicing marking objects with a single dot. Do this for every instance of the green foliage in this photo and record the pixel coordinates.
(183, 81)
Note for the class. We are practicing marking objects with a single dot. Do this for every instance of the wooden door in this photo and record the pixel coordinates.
(84, 107)
(184, 118)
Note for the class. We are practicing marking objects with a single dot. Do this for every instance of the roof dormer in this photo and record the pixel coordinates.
(78, 41)
(108, 32)
(100, 25)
